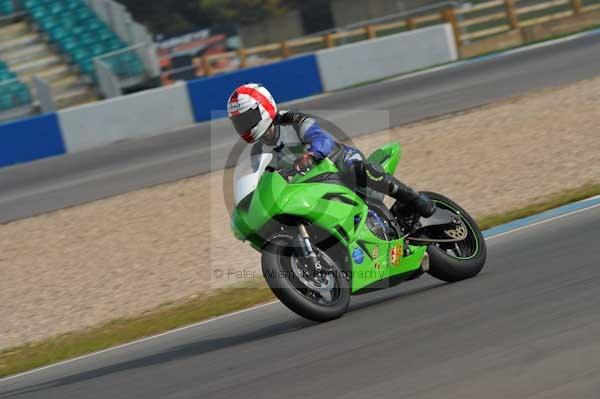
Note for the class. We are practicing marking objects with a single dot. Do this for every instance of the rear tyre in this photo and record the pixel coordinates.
(456, 262)
(281, 271)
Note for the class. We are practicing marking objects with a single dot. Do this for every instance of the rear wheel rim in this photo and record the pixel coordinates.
(465, 249)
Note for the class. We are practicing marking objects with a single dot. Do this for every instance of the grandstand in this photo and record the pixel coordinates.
(13, 47)
(56, 42)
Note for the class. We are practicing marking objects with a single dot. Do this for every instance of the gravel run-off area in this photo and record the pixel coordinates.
(121, 256)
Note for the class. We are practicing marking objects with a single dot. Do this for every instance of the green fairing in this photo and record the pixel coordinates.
(305, 200)
(387, 156)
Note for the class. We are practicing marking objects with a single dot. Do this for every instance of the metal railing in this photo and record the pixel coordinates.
(470, 20)
(127, 66)
(364, 30)
(480, 19)
(399, 16)
(120, 21)
(257, 55)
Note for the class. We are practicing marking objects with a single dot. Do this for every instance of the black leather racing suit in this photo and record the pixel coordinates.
(297, 131)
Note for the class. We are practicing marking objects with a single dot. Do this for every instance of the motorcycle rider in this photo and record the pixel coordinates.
(287, 134)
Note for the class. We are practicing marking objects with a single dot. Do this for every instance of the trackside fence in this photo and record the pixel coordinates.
(481, 19)
(471, 21)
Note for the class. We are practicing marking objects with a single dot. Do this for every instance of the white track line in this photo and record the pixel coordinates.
(136, 341)
(254, 307)
(257, 307)
(516, 229)
(406, 76)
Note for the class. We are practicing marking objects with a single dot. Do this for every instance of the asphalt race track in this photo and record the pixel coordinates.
(52, 184)
(526, 327)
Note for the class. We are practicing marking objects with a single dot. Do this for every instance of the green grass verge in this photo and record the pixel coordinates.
(224, 301)
(166, 317)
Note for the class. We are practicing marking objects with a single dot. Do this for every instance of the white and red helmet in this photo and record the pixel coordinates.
(252, 111)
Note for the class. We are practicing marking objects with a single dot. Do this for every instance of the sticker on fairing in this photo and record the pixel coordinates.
(375, 252)
(396, 254)
(358, 256)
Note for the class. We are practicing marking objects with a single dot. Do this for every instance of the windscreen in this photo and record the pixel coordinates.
(248, 173)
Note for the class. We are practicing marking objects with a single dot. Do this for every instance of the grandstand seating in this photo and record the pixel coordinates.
(7, 7)
(82, 36)
(25, 54)
(13, 92)
(57, 41)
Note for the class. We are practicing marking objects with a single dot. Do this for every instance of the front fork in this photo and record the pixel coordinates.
(307, 249)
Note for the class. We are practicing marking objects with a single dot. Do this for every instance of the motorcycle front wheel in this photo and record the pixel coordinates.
(321, 297)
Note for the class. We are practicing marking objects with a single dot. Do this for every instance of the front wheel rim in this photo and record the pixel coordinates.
(327, 292)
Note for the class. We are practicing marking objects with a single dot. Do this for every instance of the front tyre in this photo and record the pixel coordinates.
(321, 300)
(457, 261)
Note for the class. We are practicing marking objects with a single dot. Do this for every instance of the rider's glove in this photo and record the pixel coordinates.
(305, 162)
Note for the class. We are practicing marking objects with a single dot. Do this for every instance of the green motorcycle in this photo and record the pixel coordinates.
(322, 242)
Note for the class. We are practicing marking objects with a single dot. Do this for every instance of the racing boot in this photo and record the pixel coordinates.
(424, 206)
(385, 183)
(420, 203)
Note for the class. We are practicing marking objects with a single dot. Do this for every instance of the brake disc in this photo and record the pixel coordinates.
(324, 286)
(458, 232)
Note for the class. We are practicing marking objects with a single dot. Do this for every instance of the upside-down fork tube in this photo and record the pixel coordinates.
(307, 246)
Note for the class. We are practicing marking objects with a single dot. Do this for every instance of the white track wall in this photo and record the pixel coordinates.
(166, 109)
(370, 60)
(137, 115)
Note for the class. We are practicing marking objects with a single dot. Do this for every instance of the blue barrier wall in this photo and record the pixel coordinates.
(287, 80)
(30, 139)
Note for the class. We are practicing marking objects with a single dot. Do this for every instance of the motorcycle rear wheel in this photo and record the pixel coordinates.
(469, 255)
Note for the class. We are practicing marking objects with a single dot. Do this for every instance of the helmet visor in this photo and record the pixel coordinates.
(246, 121)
